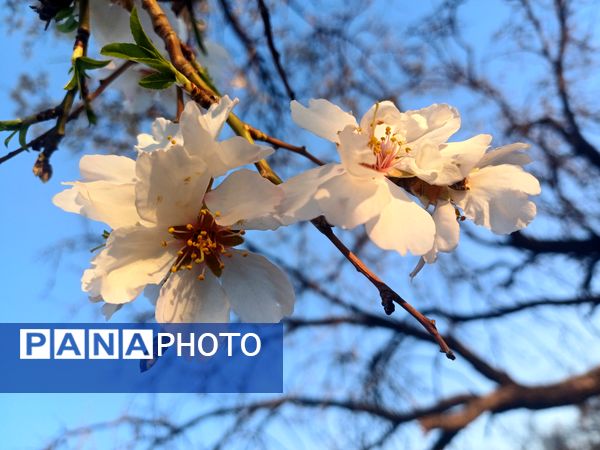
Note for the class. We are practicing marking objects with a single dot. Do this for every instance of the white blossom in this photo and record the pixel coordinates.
(495, 194)
(167, 232)
(386, 143)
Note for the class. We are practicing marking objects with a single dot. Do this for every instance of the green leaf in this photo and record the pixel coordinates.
(23, 136)
(10, 136)
(73, 82)
(68, 25)
(64, 13)
(125, 50)
(139, 36)
(91, 115)
(86, 63)
(133, 52)
(158, 80)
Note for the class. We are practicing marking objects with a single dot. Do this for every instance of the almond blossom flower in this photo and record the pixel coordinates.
(387, 143)
(494, 194)
(167, 232)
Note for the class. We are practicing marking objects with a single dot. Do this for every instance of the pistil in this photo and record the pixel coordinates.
(203, 243)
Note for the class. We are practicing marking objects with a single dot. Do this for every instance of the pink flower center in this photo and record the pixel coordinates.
(388, 149)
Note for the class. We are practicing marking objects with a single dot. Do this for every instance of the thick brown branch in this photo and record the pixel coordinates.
(570, 391)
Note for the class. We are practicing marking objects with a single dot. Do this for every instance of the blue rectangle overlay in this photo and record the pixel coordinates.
(120, 357)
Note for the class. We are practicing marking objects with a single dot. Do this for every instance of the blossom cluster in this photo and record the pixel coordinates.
(178, 212)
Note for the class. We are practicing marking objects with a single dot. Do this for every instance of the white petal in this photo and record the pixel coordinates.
(505, 176)
(257, 289)
(507, 154)
(498, 198)
(322, 118)
(461, 158)
(299, 202)
(402, 225)
(385, 113)
(108, 309)
(235, 152)
(113, 204)
(435, 124)
(421, 263)
(164, 134)
(211, 121)
(118, 169)
(220, 157)
(171, 186)
(133, 257)
(348, 201)
(245, 200)
(355, 153)
(447, 228)
(426, 163)
(184, 298)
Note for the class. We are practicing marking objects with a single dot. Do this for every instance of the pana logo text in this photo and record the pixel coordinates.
(45, 343)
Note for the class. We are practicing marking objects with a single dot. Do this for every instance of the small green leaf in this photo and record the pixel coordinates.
(64, 13)
(125, 50)
(23, 136)
(139, 36)
(91, 115)
(68, 25)
(137, 54)
(87, 63)
(158, 80)
(10, 136)
(73, 82)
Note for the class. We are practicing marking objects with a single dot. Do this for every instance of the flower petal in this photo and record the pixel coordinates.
(507, 154)
(108, 309)
(461, 158)
(322, 118)
(435, 124)
(235, 152)
(164, 134)
(211, 121)
(348, 201)
(498, 198)
(113, 204)
(117, 169)
(447, 228)
(355, 153)
(171, 186)
(184, 298)
(299, 202)
(133, 257)
(402, 225)
(384, 113)
(257, 289)
(245, 200)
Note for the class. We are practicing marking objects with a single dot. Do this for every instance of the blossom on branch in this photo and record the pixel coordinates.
(391, 157)
(171, 229)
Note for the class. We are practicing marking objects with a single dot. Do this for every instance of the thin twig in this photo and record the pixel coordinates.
(266, 18)
(278, 143)
(104, 83)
